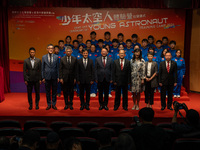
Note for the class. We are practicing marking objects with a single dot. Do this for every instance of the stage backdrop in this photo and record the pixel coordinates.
(37, 27)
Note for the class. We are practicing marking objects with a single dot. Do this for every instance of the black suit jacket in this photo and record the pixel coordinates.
(121, 77)
(67, 72)
(85, 75)
(168, 78)
(32, 74)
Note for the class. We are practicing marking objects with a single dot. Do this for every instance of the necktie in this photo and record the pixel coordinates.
(121, 64)
(85, 64)
(168, 66)
(104, 62)
(68, 60)
(50, 59)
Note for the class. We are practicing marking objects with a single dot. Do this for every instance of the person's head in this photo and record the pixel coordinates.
(192, 117)
(93, 35)
(134, 38)
(137, 54)
(146, 115)
(100, 43)
(80, 38)
(56, 49)
(107, 35)
(31, 139)
(68, 50)
(32, 52)
(61, 44)
(50, 48)
(80, 48)
(88, 44)
(150, 56)
(120, 37)
(172, 44)
(53, 140)
(178, 53)
(104, 137)
(168, 56)
(72, 144)
(136, 47)
(151, 50)
(165, 40)
(85, 53)
(144, 43)
(158, 43)
(75, 44)
(108, 47)
(164, 52)
(121, 47)
(121, 54)
(104, 52)
(124, 142)
(115, 42)
(128, 43)
(150, 39)
(68, 39)
(93, 48)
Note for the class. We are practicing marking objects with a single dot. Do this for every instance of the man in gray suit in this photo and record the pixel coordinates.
(50, 75)
(32, 77)
(103, 77)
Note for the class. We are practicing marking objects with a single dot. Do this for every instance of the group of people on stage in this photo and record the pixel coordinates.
(104, 66)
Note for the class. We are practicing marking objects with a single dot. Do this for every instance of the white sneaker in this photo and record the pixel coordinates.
(137, 107)
(166, 96)
(91, 95)
(103, 95)
(159, 91)
(133, 108)
(110, 95)
(175, 96)
(178, 96)
(155, 91)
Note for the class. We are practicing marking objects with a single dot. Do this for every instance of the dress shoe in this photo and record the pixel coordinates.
(170, 108)
(48, 107)
(71, 107)
(105, 107)
(162, 108)
(82, 107)
(37, 107)
(115, 108)
(30, 108)
(125, 108)
(101, 107)
(66, 107)
(54, 107)
(87, 107)
(78, 95)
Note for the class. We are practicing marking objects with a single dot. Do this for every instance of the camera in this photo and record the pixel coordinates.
(137, 121)
(178, 105)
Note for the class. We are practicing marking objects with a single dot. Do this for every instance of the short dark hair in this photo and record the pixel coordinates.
(104, 136)
(75, 41)
(151, 36)
(150, 53)
(151, 48)
(104, 48)
(68, 37)
(164, 37)
(88, 41)
(56, 46)
(32, 48)
(93, 32)
(84, 50)
(107, 45)
(120, 34)
(30, 137)
(134, 36)
(192, 116)
(107, 32)
(100, 41)
(93, 45)
(178, 50)
(158, 41)
(60, 41)
(147, 114)
(128, 40)
(79, 35)
(69, 142)
(115, 40)
(168, 52)
(145, 40)
(172, 42)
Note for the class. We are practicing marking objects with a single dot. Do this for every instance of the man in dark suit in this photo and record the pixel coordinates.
(121, 79)
(50, 75)
(167, 80)
(32, 77)
(103, 77)
(85, 77)
(67, 75)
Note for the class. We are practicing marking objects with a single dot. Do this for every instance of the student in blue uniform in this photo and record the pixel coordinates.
(88, 45)
(165, 43)
(107, 37)
(120, 37)
(120, 47)
(114, 49)
(134, 38)
(172, 45)
(80, 40)
(151, 41)
(99, 47)
(93, 35)
(93, 55)
(128, 49)
(181, 73)
(75, 48)
(144, 48)
(158, 49)
(155, 58)
(68, 40)
(61, 47)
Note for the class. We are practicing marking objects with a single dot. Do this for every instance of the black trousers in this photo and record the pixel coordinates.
(51, 84)
(164, 89)
(124, 90)
(68, 92)
(36, 86)
(149, 93)
(103, 87)
(85, 87)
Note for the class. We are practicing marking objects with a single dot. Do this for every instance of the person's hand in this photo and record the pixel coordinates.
(160, 84)
(175, 84)
(43, 80)
(61, 81)
(142, 81)
(183, 76)
(147, 79)
(74, 81)
(111, 81)
(58, 79)
(176, 109)
(26, 82)
(40, 82)
(115, 83)
(185, 107)
(91, 82)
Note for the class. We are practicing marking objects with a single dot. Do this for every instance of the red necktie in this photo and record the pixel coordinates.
(168, 66)
(121, 65)
(104, 62)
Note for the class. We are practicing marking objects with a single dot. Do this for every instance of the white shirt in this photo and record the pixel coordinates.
(32, 61)
(167, 64)
(149, 64)
(105, 59)
(69, 57)
(85, 60)
(51, 58)
(122, 61)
